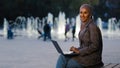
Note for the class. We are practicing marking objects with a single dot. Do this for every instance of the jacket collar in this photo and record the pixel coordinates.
(87, 24)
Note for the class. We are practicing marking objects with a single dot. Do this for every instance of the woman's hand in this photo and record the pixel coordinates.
(74, 49)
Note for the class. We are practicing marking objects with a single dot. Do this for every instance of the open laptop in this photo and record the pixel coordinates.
(59, 50)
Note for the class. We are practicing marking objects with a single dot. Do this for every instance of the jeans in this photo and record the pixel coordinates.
(67, 62)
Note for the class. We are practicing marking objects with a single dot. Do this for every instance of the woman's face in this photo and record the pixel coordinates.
(84, 14)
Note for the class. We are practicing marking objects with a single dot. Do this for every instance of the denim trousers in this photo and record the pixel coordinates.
(67, 62)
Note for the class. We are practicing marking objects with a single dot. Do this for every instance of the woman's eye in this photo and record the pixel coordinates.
(80, 12)
(85, 12)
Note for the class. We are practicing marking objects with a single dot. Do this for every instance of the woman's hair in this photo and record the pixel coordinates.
(89, 7)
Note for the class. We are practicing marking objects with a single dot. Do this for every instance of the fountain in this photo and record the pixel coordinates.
(20, 23)
(61, 25)
(50, 21)
(113, 28)
(78, 23)
(50, 18)
(28, 26)
(99, 23)
(5, 27)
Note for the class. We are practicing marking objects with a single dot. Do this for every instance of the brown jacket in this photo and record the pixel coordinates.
(90, 45)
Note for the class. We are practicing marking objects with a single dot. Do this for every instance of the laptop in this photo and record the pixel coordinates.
(59, 50)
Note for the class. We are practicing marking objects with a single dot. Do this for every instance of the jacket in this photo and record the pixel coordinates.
(91, 45)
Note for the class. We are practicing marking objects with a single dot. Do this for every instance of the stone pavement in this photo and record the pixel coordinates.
(33, 53)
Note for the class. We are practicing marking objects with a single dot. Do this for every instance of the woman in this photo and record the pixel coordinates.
(90, 39)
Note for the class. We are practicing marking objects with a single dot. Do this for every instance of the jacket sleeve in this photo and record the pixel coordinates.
(93, 44)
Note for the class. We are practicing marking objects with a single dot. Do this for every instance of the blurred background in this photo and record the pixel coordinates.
(10, 9)
(19, 12)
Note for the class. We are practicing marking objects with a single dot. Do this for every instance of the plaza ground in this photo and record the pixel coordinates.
(23, 52)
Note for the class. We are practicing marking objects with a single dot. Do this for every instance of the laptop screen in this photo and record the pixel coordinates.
(57, 46)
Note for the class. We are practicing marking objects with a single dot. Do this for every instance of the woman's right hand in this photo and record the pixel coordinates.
(74, 49)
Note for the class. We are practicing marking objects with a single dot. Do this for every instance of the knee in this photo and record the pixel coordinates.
(61, 57)
(61, 63)
(73, 64)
